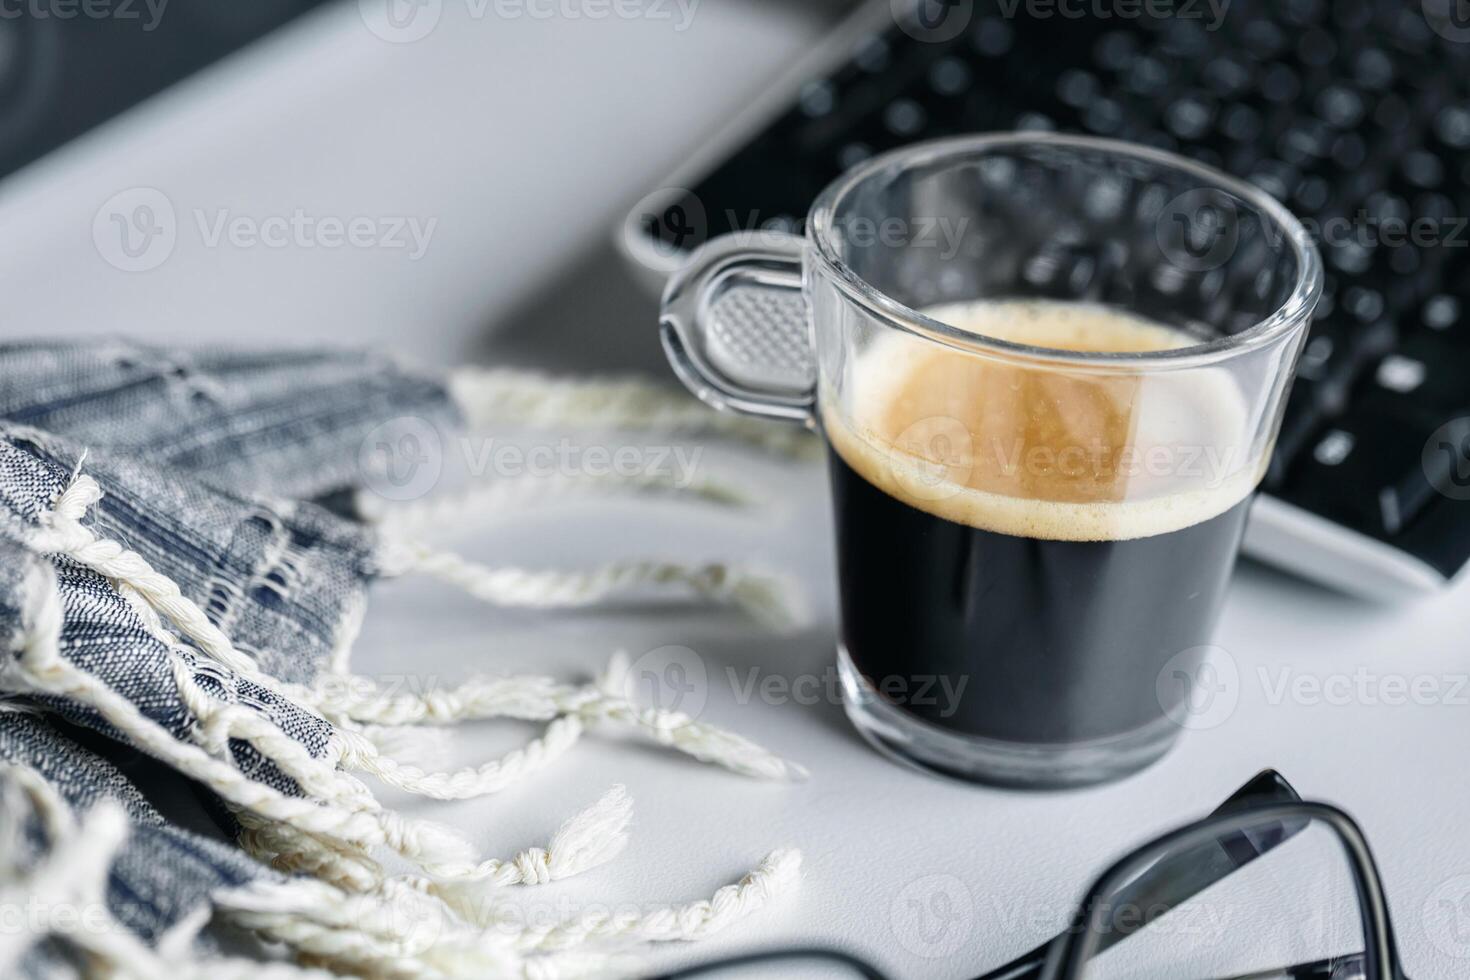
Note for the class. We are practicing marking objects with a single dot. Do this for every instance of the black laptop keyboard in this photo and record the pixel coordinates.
(1350, 112)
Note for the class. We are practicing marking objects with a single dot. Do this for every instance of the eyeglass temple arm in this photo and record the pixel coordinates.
(832, 956)
(1172, 882)
(1333, 968)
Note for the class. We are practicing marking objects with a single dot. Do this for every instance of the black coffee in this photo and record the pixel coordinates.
(1021, 639)
(1023, 552)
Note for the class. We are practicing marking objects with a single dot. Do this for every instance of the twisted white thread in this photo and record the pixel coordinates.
(402, 931)
(417, 745)
(528, 698)
(218, 722)
(456, 510)
(587, 840)
(41, 668)
(412, 928)
(776, 876)
(73, 873)
(703, 742)
(525, 397)
(760, 595)
(399, 932)
(678, 730)
(362, 755)
(294, 851)
(109, 558)
(326, 838)
(531, 698)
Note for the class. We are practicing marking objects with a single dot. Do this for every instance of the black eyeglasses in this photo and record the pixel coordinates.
(1198, 904)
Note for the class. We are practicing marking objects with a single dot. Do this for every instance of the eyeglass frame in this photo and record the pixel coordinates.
(1069, 952)
(1065, 956)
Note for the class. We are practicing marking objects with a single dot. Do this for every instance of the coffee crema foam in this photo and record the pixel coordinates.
(1047, 451)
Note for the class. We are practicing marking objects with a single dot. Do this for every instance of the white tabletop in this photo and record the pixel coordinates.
(1320, 694)
(524, 140)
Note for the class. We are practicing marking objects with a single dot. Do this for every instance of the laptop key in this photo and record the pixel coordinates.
(1304, 417)
(1338, 350)
(1366, 469)
(1442, 314)
(1432, 371)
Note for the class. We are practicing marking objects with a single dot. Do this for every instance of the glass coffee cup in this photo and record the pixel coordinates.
(1049, 372)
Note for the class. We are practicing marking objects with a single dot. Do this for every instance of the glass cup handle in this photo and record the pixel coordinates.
(736, 327)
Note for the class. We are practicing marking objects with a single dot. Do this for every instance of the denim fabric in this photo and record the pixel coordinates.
(161, 874)
(288, 423)
(277, 577)
(207, 460)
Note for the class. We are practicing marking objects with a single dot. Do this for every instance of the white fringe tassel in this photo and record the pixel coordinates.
(762, 596)
(415, 517)
(72, 875)
(487, 396)
(349, 917)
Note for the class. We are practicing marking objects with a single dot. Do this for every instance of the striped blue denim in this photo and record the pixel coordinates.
(208, 461)
(179, 563)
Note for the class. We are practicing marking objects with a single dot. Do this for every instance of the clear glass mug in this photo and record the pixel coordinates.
(1049, 371)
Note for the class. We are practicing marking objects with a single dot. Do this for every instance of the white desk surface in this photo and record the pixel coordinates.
(875, 835)
(525, 140)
